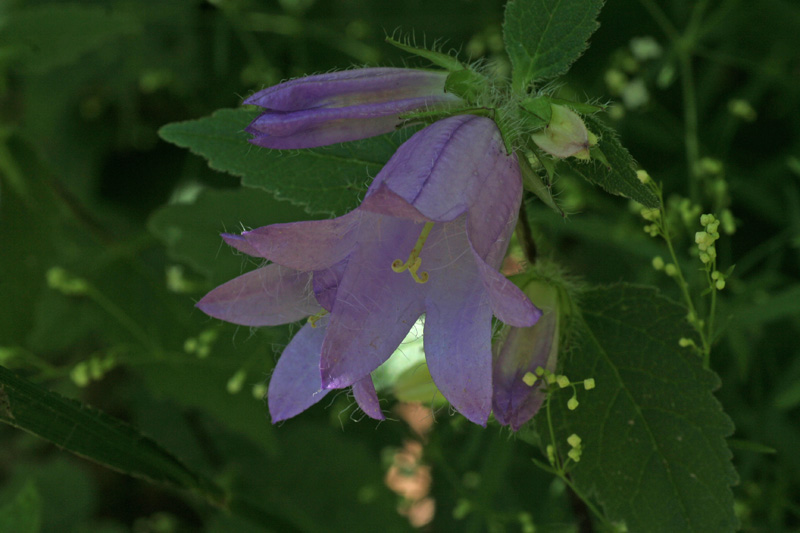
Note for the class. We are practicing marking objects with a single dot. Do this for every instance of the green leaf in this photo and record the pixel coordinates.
(191, 232)
(24, 513)
(326, 180)
(53, 35)
(92, 434)
(544, 37)
(620, 178)
(654, 450)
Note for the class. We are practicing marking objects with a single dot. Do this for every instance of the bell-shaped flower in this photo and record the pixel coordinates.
(344, 106)
(448, 201)
(518, 353)
(565, 135)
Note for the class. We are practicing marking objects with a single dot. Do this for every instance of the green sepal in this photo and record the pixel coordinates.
(437, 58)
(531, 181)
(538, 112)
(466, 84)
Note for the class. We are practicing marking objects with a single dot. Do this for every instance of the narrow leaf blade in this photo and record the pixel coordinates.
(620, 178)
(92, 434)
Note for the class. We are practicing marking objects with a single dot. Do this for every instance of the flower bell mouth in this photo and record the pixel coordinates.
(414, 260)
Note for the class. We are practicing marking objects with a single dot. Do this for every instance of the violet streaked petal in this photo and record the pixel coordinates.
(375, 307)
(509, 303)
(323, 126)
(267, 296)
(457, 341)
(240, 243)
(295, 385)
(367, 398)
(522, 350)
(326, 282)
(442, 169)
(344, 88)
(309, 245)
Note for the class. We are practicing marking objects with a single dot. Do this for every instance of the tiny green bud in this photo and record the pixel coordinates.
(539, 371)
(529, 379)
(742, 109)
(574, 454)
(706, 219)
(658, 263)
(705, 258)
(572, 404)
(588, 384)
(259, 390)
(720, 284)
(574, 440)
(563, 381)
(550, 378)
(190, 345)
(671, 270)
(80, 374)
(551, 454)
(716, 275)
(685, 342)
(236, 381)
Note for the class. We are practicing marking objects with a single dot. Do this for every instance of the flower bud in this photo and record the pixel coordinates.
(523, 351)
(343, 106)
(566, 135)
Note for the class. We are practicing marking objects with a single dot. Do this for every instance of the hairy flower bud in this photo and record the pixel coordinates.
(343, 106)
(519, 352)
(565, 135)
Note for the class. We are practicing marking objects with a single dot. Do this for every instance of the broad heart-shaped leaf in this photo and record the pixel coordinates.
(653, 434)
(325, 180)
(544, 37)
(620, 178)
(24, 513)
(95, 435)
(51, 35)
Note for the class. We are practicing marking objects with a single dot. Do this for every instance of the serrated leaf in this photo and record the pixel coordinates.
(326, 180)
(53, 35)
(92, 434)
(544, 37)
(653, 434)
(620, 178)
(24, 513)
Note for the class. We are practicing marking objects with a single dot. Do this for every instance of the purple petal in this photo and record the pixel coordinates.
(310, 245)
(326, 282)
(267, 296)
(349, 87)
(322, 127)
(458, 332)
(375, 307)
(240, 243)
(367, 398)
(521, 351)
(442, 169)
(295, 384)
(509, 303)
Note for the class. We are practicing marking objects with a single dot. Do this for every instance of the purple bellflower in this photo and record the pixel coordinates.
(344, 106)
(448, 201)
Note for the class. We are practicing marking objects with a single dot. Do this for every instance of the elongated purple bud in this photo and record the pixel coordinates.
(517, 393)
(343, 106)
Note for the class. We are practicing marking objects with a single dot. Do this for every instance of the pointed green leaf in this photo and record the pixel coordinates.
(92, 434)
(620, 178)
(544, 37)
(24, 513)
(653, 434)
(328, 180)
(437, 58)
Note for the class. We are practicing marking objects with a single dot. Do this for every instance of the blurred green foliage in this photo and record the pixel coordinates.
(86, 185)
